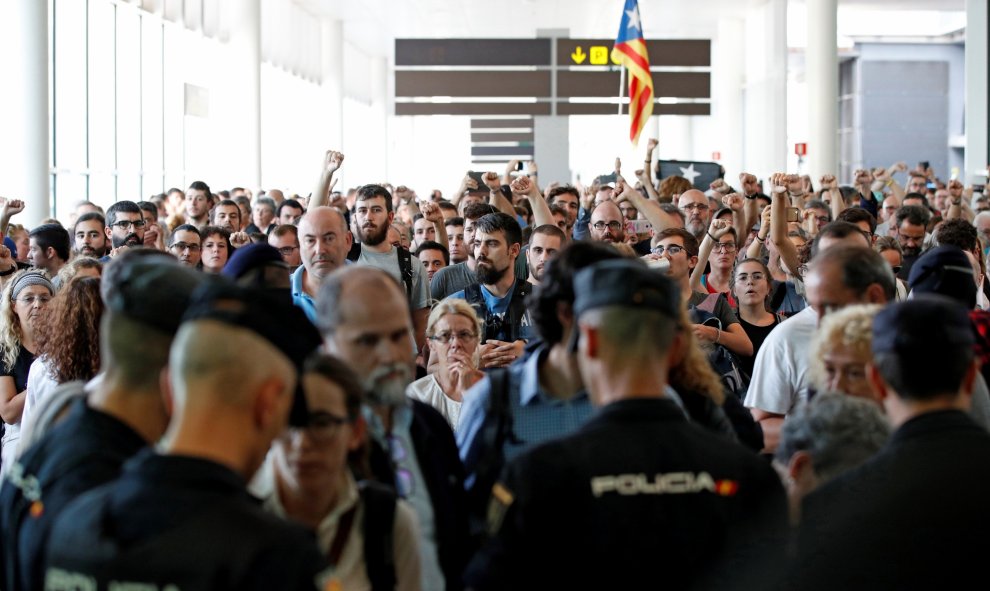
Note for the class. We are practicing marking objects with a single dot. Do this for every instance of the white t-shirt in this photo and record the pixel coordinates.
(780, 374)
(427, 389)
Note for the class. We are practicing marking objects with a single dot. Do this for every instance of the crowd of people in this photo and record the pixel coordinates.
(761, 384)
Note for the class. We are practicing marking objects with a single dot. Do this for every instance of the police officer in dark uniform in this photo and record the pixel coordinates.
(146, 295)
(182, 518)
(915, 515)
(638, 497)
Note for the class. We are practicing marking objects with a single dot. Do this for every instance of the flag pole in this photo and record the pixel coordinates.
(622, 86)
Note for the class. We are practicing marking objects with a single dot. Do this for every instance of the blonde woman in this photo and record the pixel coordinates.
(24, 299)
(453, 330)
(841, 351)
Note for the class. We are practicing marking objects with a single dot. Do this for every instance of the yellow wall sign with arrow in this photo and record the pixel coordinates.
(598, 55)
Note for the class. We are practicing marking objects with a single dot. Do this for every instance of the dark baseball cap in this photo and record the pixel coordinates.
(250, 257)
(919, 327)
(944, 270)
(275, 319)
(155, 291)
(627, 283)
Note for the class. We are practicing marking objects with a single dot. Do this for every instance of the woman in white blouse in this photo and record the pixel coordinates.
(453, 330)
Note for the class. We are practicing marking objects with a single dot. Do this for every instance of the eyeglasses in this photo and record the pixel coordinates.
(672, 250)
(725, 247)
(823, 219)
(30, 300)
(287, 250)
(614, 226)
(444, 338)
(755, 276)
(180, 246)
(124, 224)
(321, 426)
(896, 269)
(697, 206)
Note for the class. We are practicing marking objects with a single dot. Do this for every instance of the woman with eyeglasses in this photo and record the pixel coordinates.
(453, 330)
(312, 481)
(23, 301)
(719, 249)
(216, 249)
(751, 285)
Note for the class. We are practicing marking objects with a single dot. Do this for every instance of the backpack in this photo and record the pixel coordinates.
(379, 543)
(405, 264)
(493, 325)
(495, 431)
(723, 361)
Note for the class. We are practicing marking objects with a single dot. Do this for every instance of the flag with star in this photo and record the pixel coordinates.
(630, 52)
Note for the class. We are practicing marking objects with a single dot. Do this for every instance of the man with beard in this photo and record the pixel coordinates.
(197, 205)
(697, 212)
(607, 223)
(324, 241)
(498, 298)
(90, 235)
(364, 319)
(910, 222)
(372, 217)
(125, 227)
(187, 245)
(546, 241)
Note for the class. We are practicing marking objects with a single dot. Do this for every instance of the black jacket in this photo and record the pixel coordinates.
(913, 517)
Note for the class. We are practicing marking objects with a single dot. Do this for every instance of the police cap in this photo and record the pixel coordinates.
(627, 283)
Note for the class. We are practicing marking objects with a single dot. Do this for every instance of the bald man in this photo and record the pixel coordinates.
(697, 212)
(324, 242)
(607, 223)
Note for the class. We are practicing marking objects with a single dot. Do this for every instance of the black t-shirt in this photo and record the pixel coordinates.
(757, 334)
(22, 365)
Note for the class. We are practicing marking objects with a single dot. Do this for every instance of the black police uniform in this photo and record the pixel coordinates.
(913, 517)
(177, 522)
(86, 450)
(637, 498)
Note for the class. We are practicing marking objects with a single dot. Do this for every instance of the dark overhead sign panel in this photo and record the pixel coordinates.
(472, 75)
(472, 52)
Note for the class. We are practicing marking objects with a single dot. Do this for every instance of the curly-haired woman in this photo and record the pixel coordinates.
(68, 343)
(24, 298)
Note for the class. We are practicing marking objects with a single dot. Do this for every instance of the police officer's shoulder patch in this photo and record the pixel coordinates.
(497, 506)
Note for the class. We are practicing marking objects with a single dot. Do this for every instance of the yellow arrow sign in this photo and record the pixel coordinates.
(578, 55)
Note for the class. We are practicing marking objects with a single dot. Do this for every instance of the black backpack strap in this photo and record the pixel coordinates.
(495, 432)
(406, 268)
(473, 296)
(355, 252)
(517, 308)
(379, 540)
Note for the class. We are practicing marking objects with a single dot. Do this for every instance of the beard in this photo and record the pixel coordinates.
(911, 251)
(88, 251)
(696, 228)
(129, 240)
(385, 389)
(487, 273)
(371, 236)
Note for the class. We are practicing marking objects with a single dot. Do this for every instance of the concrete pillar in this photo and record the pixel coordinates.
(333, 83)
(245, 45)
(822, 75)
(977, 57)
(551, 139)
(765, 120)
(24, 152)
(380, 108)
(728, 68)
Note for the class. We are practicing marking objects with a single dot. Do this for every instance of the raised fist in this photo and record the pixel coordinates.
(829, 182)
(332, 160)
(733, 201)
(749, 185)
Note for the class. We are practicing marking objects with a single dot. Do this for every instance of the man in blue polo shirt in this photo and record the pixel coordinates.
(324, 242)
(537, 399)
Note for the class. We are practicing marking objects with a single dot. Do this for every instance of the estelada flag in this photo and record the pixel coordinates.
(630, 51)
